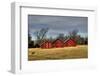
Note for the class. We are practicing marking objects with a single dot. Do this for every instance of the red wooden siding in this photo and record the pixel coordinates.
(70, 42)
(46, 44)
(57, 43)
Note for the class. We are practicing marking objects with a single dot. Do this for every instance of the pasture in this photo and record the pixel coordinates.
(80, 51)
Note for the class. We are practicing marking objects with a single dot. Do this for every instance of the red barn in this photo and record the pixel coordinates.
(70, 42)
(46, 44)
(58, 43)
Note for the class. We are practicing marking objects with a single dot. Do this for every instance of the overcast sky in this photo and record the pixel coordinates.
(57, 24)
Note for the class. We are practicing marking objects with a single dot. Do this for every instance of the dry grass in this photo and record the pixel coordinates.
(80, 51)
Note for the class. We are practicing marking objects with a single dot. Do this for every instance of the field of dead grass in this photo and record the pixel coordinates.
(80, 51)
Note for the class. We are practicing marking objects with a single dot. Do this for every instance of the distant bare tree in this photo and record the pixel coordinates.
(51, 39)
(86, 40)
(29, 38)
(41, 34)
(61, 36)
(73, 34)
(30, 42)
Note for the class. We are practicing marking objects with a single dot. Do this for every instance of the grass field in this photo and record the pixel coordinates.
(80, 51)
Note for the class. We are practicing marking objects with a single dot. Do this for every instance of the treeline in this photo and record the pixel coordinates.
(41, 36)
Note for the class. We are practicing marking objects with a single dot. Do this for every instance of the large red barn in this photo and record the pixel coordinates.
(69, 42)
(58, 43)
(46, 44)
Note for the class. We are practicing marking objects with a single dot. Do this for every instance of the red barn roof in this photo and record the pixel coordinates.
(69, 42)
(58, 43)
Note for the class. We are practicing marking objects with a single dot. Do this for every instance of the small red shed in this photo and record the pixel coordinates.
(69, 42)
(58, 43)
(46, 44)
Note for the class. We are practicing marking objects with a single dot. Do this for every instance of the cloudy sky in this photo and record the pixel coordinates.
(57, 24)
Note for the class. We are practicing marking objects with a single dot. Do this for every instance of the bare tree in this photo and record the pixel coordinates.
(41, 34)
(30, 41)
(73, 34)
(29, 38)
(61, 36)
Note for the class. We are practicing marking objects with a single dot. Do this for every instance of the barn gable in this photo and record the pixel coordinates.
(58, 43)
(46, 44)
(69, 42)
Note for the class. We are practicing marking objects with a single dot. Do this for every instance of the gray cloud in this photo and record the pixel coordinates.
(57, 24)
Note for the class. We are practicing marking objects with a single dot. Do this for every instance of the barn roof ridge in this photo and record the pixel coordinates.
(58, 39)
(46, 40)
(67, 39)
